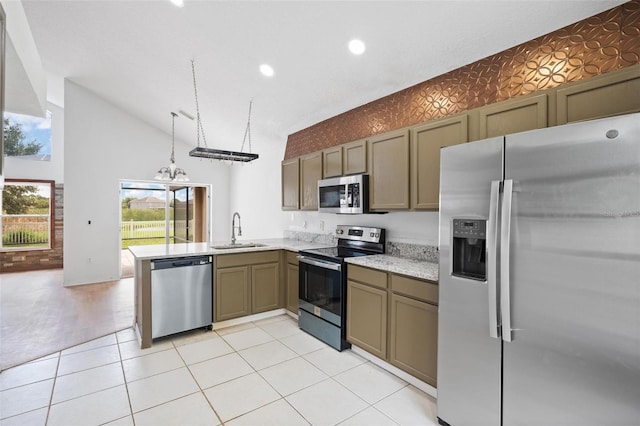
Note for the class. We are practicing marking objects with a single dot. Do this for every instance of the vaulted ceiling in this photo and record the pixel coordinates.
(137, 54)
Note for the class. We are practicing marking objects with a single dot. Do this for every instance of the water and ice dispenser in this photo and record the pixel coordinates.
(470, 248)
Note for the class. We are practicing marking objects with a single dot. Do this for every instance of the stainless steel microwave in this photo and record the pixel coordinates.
(347, 195)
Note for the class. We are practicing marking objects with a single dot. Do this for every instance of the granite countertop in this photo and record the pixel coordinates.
(163, 251)
(422, 269)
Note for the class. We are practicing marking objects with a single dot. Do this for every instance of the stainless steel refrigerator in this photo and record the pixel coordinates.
(539, 310)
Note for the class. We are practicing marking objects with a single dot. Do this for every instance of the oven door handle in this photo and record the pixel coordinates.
(320, 263)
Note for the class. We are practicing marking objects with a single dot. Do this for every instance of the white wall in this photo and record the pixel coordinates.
(103, 145)
(255, 190)
(26, 87)
(18, 168)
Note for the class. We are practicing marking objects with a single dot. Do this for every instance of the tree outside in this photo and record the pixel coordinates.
(14, 141)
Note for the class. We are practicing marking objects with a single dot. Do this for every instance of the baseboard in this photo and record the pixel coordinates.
(248, 318)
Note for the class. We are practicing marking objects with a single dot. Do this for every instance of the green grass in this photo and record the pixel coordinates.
(143, 242)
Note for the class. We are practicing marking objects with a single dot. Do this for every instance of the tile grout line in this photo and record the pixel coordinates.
(196, 380)
(53, 388)
(126, 384)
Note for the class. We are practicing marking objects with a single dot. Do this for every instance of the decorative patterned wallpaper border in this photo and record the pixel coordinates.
(602, 43)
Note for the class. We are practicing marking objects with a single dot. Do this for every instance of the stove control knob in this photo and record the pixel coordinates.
(371, 234)
(339, 231)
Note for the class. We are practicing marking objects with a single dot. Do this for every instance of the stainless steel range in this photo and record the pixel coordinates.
(323, 282)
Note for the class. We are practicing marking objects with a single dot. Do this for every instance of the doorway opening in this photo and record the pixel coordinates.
(161, 213)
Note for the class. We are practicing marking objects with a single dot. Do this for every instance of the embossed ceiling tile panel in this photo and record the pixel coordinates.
(598, 40)
(630, 38)
(481, 80)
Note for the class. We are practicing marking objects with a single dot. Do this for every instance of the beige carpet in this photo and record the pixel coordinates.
(39, 316)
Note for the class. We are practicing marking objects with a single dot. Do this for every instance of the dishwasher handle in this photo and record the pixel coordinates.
(179, 262)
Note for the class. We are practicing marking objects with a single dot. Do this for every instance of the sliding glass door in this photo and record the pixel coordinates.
(161, 213)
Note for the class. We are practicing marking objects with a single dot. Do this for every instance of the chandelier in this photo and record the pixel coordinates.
(171, 172)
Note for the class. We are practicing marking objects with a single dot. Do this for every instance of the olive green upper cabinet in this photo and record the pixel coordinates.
(426, 141)
(389, 170)
(354, 157)
(513, 116)
(310, 174)
(290, 184)
(602, 96)
(332, 162)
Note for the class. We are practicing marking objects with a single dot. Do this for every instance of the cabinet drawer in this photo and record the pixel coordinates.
(252, 258)
(367, 276)
(423, 290)
(292, 257)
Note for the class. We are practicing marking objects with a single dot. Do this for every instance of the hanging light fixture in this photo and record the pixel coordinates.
(218, 154)
(171, 172)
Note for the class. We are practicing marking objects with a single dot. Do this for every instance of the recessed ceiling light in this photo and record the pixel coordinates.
(357, 47)
(178, 3)
(266, 70)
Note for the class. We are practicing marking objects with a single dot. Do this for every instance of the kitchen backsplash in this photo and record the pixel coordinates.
(311, 237)
(412, 251)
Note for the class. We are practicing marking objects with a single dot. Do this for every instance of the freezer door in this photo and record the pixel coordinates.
(468, 358)
(574, 358)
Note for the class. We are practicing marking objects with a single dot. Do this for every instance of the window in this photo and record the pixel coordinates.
(27, 215)
(27, 137)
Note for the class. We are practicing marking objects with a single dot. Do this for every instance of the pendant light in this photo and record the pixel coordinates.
(171, 172)
(218, 154)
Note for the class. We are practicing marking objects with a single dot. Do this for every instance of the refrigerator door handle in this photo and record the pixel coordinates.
(505, 235)
(492, 259)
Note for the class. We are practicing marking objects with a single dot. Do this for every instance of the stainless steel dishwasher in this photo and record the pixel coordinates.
(181, 294)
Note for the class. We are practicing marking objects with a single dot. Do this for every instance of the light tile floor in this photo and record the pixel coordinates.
(264, 373)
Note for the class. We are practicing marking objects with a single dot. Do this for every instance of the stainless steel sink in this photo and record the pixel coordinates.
(237, 246)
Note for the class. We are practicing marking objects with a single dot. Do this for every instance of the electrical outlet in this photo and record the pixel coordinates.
(322, 225)
(304, 224)
(88, 260)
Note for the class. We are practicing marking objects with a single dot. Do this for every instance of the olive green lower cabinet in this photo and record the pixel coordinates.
(394, 318)
(291, 293)
(246, 283)
(367, 309)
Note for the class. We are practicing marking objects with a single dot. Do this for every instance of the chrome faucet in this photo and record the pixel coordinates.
(233, 227)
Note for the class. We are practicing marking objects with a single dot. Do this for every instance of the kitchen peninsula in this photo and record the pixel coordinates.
(274, 249)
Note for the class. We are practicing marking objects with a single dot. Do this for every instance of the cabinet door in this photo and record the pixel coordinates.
(426, 142)
(413, 334)
(354, 157)
(292, 288)
(290, 184)
(602, 96)
(232, 293)
(367, 318)
(265, 287)
(513, 116)
(332, 162)
(389, 171)
(310, 173)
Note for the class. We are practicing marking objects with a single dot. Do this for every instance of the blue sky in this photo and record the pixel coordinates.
(34, 128)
